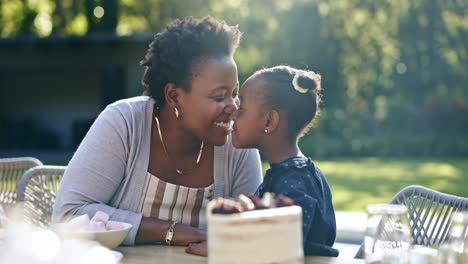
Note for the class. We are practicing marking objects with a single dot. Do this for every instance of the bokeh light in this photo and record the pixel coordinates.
(98, 255)
(98, 11)
(43, 24)
(401, 68)
(46, 245)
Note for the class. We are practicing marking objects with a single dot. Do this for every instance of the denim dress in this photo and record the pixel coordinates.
(299, 179)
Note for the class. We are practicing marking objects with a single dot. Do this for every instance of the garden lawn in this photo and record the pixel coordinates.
(356, 182)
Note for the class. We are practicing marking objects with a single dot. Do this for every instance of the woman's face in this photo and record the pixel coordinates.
(249, 122)
(213, 97)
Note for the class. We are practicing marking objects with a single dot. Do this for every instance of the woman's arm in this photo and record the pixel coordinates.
(97, 172)
(247, 172)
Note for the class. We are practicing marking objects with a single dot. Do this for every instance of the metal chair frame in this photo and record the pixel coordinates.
(37, 190)
(11, 171)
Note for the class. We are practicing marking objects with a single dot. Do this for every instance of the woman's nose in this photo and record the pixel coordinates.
(231, 106)
(233, 115)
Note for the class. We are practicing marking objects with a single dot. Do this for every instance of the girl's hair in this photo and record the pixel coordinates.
(174, 52)
(296, 91)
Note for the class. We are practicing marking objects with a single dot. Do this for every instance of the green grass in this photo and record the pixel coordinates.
(356, 182)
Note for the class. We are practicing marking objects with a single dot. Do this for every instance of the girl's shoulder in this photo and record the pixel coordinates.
(293, 164)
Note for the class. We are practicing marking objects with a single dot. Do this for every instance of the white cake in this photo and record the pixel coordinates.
(260, 236)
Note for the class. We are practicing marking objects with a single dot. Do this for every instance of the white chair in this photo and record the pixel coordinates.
(37, 190)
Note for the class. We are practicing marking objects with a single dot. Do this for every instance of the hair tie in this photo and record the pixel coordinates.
(295, 82)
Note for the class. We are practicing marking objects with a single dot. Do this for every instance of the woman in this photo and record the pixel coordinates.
(156, 161)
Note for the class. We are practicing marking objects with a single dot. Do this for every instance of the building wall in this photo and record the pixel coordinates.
(51, 90)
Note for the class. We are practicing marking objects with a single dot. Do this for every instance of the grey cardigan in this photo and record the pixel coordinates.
(108, 171)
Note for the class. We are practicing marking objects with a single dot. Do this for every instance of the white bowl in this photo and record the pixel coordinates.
(110, 239)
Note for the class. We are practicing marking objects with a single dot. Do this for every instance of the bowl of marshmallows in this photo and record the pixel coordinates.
(109, 234)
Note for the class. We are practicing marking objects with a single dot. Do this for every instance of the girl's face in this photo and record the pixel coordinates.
(249, 122)
(207, 107)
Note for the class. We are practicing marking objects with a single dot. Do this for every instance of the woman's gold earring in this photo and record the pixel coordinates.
(176, 113)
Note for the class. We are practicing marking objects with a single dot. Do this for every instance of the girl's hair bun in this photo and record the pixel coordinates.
(306, 81)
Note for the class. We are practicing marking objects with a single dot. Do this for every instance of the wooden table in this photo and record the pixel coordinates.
(167, 254)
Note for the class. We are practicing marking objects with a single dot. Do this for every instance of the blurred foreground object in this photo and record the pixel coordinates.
(455, 249)
(21, 242)
(388, 234)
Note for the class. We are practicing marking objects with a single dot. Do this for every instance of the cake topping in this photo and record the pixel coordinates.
(249, 203)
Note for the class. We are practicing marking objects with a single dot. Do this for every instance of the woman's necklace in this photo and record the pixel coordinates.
(179, 171)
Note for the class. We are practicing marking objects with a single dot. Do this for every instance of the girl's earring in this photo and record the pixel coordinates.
(176, 113)
(266, 131)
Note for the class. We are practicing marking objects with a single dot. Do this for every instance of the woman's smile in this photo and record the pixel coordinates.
(227, 126)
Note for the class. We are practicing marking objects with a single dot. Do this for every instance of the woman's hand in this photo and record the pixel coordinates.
(185, 235)
(154, 230)
(199, 249)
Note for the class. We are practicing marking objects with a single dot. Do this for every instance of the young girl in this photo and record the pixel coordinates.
(278, 106)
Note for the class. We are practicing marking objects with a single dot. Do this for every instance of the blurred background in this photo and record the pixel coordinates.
(395, 75)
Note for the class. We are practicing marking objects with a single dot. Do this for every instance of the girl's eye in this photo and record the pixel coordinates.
(219, 99)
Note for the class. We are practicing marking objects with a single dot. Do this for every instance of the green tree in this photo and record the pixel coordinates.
(390, 68)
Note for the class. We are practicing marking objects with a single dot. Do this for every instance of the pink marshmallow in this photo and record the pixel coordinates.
(99, 222)
(97, 226)
(79, 223)
(112, 225)
(100, 217)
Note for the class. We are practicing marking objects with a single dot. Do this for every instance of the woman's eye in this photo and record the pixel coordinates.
(219, 99)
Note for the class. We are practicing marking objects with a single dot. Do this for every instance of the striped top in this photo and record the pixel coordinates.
(167, 201)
